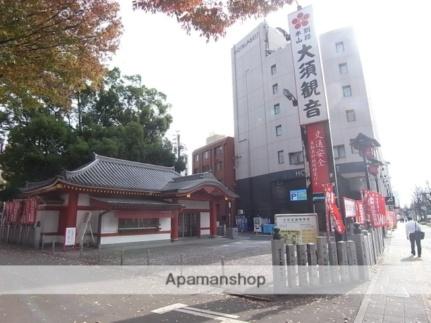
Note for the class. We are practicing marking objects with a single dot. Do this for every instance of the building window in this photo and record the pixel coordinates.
(206, 155)
(280, 155)
(350, 115)
(219, 166)
(339, 152)
(339, 47)
(296, 158)
(273, 69)
(347, 91)
(275, 88)
(278, 130)
(125, 225)
(276, 108)
(197, 157)
(219, 151)
(342, 68)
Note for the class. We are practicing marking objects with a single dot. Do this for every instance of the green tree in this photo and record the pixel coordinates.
(122, 119)
(36, 150)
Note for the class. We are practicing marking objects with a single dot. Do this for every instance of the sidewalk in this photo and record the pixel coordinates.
(401, 289)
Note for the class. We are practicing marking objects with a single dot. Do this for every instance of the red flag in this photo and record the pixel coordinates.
(332, 209)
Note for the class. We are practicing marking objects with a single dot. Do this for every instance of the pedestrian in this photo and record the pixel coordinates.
(413, 232)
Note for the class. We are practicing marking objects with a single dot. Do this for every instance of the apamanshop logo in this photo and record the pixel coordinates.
(216, 281)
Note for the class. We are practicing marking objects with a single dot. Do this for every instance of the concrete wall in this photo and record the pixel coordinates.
(110, 225)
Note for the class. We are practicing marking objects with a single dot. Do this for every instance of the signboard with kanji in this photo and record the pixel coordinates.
(297, 228)
(308, 69)
(70, 236)
(318, 156)
(349, 207)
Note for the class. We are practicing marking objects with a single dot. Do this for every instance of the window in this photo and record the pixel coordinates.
(339, 47)
(219, 151)
(296, 158)
(339, 152)
(206, 155)
(275, 88)
(276, 108)
(347, 91)
(137, 224)
(273, 69)
(197, 157)
(342, 68)
(219, 166)
(280, 155)
(278, 130)
(350, 115)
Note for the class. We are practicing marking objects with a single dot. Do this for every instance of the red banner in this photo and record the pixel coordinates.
(29, 212)
(318, 156)
(21, 211)
(332, 209)
(375, 208)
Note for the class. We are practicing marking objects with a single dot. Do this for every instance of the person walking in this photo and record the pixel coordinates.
(413, 230)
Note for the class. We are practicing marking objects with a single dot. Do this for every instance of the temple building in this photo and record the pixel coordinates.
(113, 201)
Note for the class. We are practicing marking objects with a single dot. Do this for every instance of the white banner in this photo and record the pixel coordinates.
(69, 238)
(349, 207)
(308, 69)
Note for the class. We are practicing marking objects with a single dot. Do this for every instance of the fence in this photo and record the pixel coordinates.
(23, 234)
(327, 263)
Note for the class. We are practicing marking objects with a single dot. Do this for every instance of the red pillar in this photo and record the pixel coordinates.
(213, 218)
(174, 226)
(72, 208)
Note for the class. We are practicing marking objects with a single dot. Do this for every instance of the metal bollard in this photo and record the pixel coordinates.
(53, 246)
(122, 257)
(279, 265)
(292, 262)
(147, 252)
(302, 265)
(342, 260)
(352, 259)
(222, 265)
(312, 264)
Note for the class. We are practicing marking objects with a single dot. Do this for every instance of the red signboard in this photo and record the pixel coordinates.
(375, 208)
(332, 209)
(318, 156)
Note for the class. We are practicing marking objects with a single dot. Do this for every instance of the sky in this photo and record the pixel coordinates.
(196, 75)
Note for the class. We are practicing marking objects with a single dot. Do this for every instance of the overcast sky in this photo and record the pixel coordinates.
(395, 48)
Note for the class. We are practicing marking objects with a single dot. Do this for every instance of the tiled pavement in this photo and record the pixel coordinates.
(401, 289)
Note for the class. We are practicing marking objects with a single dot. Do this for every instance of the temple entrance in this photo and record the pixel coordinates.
(189, 225)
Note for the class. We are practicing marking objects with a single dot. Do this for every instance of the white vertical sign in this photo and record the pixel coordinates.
(308, 69)
(349, 207)
(69, 238)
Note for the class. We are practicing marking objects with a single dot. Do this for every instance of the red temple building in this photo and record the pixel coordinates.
(120, 201)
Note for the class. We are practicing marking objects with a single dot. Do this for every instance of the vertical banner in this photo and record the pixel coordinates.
(318, 156)
(349, 207)
(375, 208)
(332, 209)
(360, 212)
(30, 209)
(308, 67)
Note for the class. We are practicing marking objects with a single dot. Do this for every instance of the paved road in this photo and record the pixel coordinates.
(401, 290)
(225, 308)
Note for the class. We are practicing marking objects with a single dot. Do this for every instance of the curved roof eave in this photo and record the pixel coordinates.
(195, 188)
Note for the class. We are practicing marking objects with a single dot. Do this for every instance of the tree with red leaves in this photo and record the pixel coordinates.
(210, 18)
